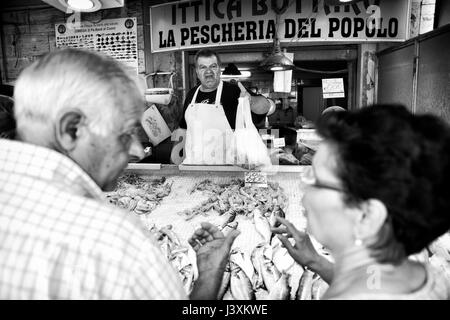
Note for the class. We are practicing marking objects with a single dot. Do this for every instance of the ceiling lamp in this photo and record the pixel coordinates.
(277, 61)
(82, 5)
(70, 6)
(340, 2)
(232, 72)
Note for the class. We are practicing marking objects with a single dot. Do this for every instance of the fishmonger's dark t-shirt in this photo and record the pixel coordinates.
(229, 101)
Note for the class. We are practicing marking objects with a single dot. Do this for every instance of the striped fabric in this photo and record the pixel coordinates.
(60, 239)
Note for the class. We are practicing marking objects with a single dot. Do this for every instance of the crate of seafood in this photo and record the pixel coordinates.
(172, 203)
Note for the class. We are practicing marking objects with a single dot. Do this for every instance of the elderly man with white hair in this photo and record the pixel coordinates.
(76, 113)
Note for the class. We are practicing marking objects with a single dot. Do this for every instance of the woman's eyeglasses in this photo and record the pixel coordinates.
(309, 179)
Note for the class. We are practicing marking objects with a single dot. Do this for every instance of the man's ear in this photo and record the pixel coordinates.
(372, 217)
(69, 125)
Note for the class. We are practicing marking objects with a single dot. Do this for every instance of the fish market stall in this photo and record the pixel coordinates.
(172, 201)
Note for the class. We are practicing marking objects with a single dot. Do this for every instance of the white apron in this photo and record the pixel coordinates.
(209, 137)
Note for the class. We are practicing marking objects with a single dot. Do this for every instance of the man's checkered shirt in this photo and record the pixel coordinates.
(60, 239)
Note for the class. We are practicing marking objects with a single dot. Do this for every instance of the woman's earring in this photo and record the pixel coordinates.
(358, 242)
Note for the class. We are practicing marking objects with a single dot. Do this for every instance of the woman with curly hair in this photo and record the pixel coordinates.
(379, 191)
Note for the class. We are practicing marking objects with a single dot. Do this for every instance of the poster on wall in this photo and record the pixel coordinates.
(114, 37)
(207, 23)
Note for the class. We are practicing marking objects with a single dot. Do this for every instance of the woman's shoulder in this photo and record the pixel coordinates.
(436, 287)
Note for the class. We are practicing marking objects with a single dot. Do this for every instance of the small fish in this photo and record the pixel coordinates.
(282, 259)
(225, 284)
(230, 219)
(167, 230)
(257, 261)
(278, 212)
(187, 277)
(240, 285)
(262, 225)
(230, 226)
(304, 287)
(228, 295)
(295, 274)
(318, 288)
(242, 260)
(269, 272)
(262, 294)
(281, 289)
(166, 246)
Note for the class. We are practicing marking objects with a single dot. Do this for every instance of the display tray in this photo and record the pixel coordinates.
(184, 179)
(303, 284)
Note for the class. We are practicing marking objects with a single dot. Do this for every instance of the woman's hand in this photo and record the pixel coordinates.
(303, 251)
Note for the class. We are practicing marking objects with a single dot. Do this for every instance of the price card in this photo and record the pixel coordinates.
(256, 179)
(279, 143)
(267, 136)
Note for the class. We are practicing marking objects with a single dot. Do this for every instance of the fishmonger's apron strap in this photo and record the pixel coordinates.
(218, 94)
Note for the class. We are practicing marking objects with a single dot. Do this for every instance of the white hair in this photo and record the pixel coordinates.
(75, 79)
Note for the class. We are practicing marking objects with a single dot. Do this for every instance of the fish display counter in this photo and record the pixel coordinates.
(171, 201)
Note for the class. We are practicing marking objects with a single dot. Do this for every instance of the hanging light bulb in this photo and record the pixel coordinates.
(277, 61)
(78, 5)
(340, 2)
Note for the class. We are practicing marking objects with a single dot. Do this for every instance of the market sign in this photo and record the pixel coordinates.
(207, 23)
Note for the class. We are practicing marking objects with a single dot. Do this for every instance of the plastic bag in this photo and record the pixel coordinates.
(250, 150)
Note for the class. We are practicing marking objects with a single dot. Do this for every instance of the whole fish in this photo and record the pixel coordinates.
(270, 273)
(262, 294)
(277, 212)
(262, 225)
(295, 274)
(168, 230)
(257, 261)
(281, 289)
(228, 295)
(242, 260)
(165, 245)
(318, 288)
(180, 261)
(187, 277)
(225, 284)
(282, 259)
(192, 255)
(240, 285)
(304, 287)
